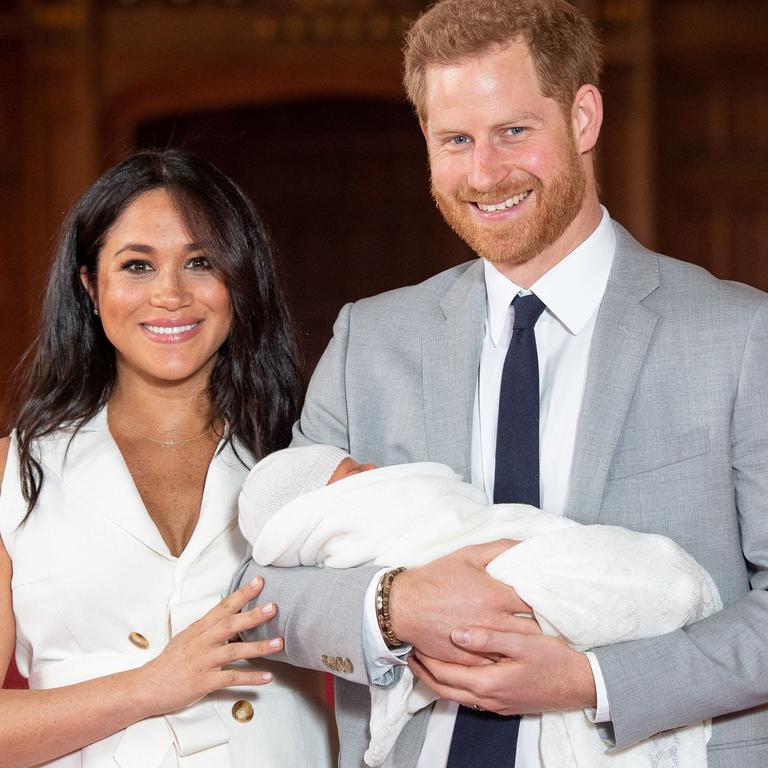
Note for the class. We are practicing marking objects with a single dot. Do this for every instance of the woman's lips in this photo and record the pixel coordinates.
(165, 332)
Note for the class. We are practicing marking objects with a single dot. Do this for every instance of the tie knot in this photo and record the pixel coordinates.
(527, 311)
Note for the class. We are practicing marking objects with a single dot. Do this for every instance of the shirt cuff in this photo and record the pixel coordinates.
(602, 714)
(384, 665)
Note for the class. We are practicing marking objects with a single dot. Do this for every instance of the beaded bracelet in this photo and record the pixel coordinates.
(383, 615)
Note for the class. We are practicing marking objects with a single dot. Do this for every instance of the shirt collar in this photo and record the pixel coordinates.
(572, 290)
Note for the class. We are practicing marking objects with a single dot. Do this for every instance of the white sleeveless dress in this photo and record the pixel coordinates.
(94, 583)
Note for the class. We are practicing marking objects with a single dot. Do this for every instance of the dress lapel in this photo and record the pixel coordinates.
(622, 335)
(450, 359)
(218, 510)
(93, 469)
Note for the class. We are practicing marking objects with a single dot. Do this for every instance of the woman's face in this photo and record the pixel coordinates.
(164, 309)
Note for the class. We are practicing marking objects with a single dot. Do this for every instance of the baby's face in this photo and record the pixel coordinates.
(348, 467)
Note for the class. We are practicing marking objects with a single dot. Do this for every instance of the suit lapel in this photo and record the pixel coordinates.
(622, 335)
(450, 359)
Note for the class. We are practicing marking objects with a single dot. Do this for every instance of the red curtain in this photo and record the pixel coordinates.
(13, 679)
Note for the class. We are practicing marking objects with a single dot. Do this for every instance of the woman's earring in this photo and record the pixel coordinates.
(95, 310)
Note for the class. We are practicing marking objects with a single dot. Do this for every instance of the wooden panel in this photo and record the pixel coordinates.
(60, 143)
(282, 75)
(709, 33)
(626, 152)
(626, 164)
(173, 26)
(713, 148)
(14, 318)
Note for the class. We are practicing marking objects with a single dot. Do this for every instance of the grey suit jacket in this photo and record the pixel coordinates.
(672, 439)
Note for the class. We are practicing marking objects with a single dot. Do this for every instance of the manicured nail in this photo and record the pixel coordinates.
(460, 636)
(265, 676)
(267, 607)
(276, 643)
(257, 582)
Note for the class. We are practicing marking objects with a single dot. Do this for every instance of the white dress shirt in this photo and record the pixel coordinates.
(572, 291)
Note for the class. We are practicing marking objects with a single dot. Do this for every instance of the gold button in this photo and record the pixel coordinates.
(242, 711)
(139, 640)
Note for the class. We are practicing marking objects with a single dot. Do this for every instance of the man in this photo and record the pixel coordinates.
(651, 413)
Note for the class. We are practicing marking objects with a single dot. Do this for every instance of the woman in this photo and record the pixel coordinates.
(164, 368)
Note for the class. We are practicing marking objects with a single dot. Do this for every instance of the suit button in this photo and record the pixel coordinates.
(139, 640)
(242, 711)
(337, 664)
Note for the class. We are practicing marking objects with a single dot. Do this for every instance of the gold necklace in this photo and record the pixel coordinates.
(164, 443)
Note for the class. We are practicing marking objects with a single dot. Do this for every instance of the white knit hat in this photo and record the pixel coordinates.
(280, 478)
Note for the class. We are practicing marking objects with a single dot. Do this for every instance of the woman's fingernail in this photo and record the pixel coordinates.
(460, 636)
(266, 676)
(276, 643)
(267, 607)
(257, 582)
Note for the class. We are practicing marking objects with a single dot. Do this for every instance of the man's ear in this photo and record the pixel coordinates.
(587, 117)
(423, 126)
(89, 283)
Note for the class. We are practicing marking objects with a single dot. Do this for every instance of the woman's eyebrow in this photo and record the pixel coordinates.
(148, 249)
(139, 247)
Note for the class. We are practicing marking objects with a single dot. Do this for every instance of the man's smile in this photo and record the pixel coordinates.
(505, 204)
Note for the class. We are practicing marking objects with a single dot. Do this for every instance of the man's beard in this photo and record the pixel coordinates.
(514, 242)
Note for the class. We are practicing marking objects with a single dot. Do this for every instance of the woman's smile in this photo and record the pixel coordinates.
(172, 331)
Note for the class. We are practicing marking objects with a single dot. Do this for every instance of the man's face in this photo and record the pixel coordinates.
(506, 172)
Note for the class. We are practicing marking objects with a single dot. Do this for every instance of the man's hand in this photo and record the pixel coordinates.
(535, 673)
(426, 603)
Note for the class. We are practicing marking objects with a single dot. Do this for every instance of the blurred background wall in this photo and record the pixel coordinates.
(300, 101)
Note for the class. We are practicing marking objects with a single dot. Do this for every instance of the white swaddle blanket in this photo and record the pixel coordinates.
(591, 585)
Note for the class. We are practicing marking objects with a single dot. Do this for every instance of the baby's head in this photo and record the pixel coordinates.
(287, 474)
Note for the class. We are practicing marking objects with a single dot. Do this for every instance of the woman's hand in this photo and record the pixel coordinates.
(194, 663)
(39, 725)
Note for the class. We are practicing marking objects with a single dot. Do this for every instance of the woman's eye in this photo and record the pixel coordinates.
(198, 262)
(137, 267)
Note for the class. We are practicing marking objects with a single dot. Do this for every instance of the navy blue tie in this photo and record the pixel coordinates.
(484, 739)
(517, 437)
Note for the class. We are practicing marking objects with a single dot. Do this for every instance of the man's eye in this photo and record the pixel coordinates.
(459, 140)
(198, 262)
(516, 131)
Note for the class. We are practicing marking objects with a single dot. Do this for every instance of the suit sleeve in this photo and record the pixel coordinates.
(715, 666)
(320, 610)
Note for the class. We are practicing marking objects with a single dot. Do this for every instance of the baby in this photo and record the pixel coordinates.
(591, 585)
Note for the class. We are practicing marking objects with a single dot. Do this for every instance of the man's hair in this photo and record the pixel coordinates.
(560, 39)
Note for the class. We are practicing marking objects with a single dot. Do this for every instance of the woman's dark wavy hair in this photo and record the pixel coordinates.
(255, 386)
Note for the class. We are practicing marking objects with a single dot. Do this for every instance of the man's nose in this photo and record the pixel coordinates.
(487, 169)
(170, 290)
